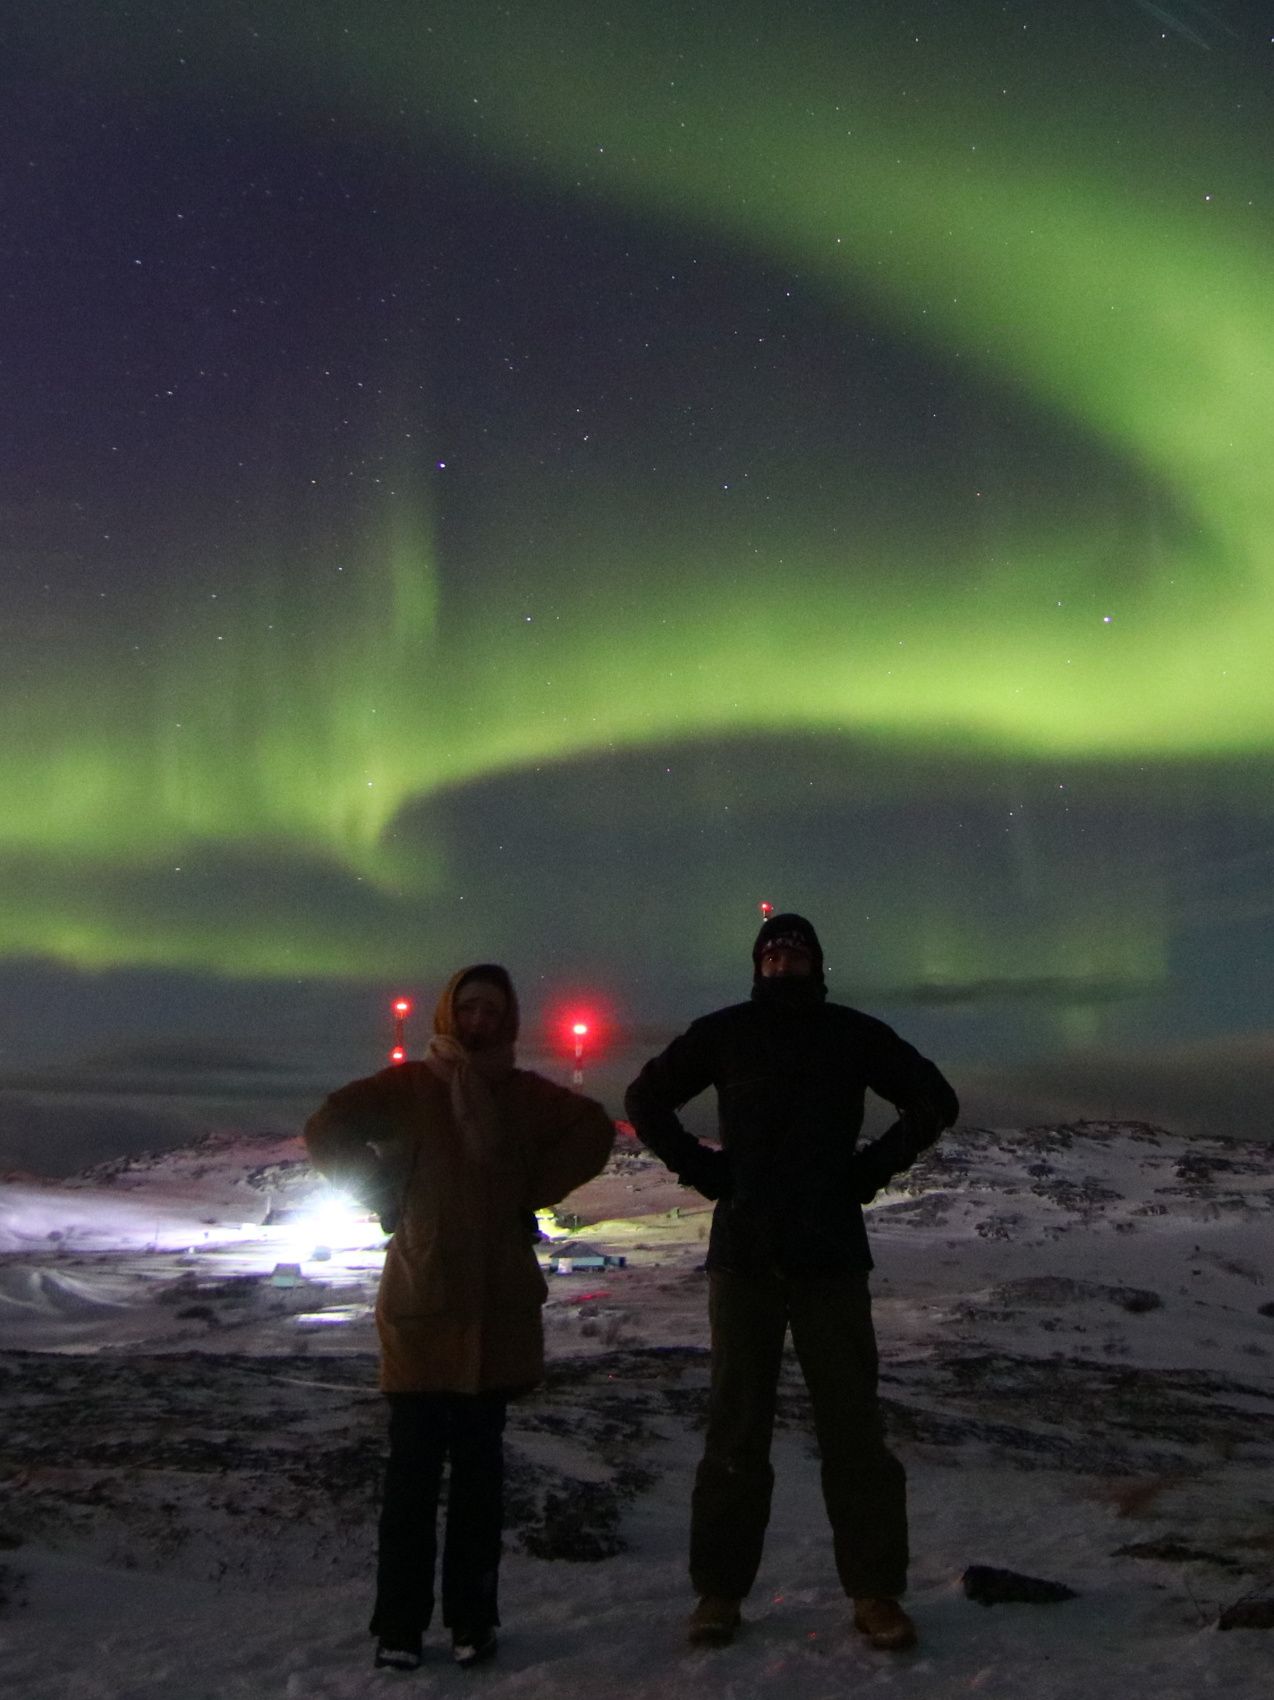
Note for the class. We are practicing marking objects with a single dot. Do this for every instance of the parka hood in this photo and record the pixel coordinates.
(790, 929)
(445, 1013)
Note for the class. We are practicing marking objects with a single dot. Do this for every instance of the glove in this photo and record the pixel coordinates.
(922, 1123)
(708, 1173)
(383, 1199)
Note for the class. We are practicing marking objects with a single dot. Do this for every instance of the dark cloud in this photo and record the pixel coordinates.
(61, 1135)
(1220, 1088)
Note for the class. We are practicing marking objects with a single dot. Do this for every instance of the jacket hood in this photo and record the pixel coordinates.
(797, 930)
(445, 1013)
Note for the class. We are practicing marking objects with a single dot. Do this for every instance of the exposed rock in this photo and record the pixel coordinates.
(990, 1586)
(579, 1523)
(1173, 1551)
(1248, 1614)
(10, 1581)
(1139, 1299)
(1058, 1289)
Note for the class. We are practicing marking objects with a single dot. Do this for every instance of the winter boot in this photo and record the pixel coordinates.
(399, 1652)
(884, 1623)
(473, 1645)
(714, 1622)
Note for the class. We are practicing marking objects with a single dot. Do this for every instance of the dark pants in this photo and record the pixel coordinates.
(864, 1485)
(425, 1429)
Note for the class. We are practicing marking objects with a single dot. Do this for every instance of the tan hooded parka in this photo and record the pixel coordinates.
(464, 1146)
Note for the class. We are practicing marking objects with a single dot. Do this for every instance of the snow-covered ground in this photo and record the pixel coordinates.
(1077, 1336)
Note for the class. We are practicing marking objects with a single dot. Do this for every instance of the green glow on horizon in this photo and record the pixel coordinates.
(1127, 307)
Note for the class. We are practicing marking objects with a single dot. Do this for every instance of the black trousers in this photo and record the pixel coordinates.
(864, 1485)
(425, 1431)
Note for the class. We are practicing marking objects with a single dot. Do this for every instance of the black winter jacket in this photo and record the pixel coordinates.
(789, 1176)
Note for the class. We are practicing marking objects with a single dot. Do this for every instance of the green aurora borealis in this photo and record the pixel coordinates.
(878, 511)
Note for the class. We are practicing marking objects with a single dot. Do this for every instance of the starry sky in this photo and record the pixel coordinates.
(532, 480)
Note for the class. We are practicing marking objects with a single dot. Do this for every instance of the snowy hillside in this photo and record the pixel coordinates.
(1077, 1338)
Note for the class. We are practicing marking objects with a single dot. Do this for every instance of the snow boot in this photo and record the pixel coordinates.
(399, 1652)
(884, 1623)
(714, 1622)
(473, 1645)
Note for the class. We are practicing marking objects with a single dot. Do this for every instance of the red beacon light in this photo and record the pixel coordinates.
(401, 1008)
(767, 909)
(579, 1032)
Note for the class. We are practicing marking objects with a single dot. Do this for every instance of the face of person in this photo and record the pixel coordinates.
(786, 962)
(480, 1009)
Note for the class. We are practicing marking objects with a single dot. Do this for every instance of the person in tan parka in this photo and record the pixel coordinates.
(455, 1153)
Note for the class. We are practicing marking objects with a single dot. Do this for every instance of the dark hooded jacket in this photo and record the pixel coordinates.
(791, 1072)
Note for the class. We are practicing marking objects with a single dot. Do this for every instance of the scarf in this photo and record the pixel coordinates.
(471, 1076)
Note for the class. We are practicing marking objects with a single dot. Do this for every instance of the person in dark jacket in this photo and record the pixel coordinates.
(455, 1153)
(788, 1249)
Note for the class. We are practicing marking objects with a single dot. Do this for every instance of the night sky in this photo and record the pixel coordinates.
(532, 480)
